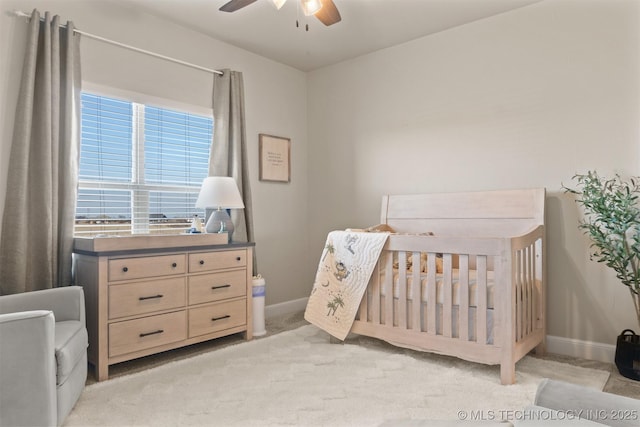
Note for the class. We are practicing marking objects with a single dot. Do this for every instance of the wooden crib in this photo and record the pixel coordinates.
(481, 292)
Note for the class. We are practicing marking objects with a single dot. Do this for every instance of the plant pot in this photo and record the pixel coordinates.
(628, 354)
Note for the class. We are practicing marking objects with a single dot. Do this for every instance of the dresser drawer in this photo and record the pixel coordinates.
(217, 317)
(142, 267)
(208, 261)
(217, 286)
(139, 334)
(130, 299)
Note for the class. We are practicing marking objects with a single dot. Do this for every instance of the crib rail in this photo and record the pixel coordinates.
(432, 297)
(528, 281)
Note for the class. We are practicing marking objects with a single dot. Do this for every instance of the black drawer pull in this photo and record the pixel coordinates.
(174, 265)
(220, 318)
(238, 258)
(201, 262)
(220, 287)
(151, 297)
(146, 334)
(125, 269)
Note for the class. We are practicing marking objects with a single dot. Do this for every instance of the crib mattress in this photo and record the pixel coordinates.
(455, 285)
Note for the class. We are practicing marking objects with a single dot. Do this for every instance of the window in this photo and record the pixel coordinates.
(141, 167)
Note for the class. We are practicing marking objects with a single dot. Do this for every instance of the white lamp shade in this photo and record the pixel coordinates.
(219, 192)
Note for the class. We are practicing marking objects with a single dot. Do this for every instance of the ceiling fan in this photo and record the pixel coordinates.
(325, 10)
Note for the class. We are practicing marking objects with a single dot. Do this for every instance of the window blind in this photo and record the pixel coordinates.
(141, 167)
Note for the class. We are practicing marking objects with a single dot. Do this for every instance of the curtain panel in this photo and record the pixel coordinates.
(37, 227)
(228, 155)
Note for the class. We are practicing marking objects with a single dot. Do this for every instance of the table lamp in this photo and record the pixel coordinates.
(219, 193)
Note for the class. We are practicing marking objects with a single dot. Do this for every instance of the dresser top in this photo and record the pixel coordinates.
(153, 243)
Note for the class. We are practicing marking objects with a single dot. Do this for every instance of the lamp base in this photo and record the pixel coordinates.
(220, 222)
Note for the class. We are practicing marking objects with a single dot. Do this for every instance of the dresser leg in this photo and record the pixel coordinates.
(101, 371)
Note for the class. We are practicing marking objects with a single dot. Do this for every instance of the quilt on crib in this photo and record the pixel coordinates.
(346, 264)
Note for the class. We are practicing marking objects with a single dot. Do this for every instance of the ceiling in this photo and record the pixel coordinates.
(366, 26)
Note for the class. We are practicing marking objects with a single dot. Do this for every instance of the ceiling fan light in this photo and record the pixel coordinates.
(309, 7)
(278, 3)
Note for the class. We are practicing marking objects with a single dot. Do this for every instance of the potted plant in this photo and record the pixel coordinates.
(612, 222)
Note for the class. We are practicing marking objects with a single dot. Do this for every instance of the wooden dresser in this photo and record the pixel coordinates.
(147, 294)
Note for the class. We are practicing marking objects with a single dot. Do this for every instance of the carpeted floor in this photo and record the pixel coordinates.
(616, 384)
(297, 377)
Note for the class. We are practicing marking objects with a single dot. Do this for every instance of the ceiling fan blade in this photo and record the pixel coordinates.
(328, 14)
(234, 5)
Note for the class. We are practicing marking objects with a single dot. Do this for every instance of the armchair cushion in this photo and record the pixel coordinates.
(71, 345)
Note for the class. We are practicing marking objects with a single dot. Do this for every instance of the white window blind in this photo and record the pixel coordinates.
(141, 167)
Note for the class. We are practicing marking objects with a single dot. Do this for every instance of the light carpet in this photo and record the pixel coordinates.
(299, 378)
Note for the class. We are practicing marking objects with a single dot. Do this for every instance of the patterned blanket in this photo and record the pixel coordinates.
(347, 261)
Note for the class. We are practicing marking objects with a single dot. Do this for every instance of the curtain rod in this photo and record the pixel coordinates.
(20, 13)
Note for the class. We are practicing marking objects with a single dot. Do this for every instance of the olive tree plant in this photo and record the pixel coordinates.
(612, 222)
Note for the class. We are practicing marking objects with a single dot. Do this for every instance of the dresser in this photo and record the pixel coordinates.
(147, 294)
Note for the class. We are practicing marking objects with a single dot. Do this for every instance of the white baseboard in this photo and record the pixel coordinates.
(582, 349)
(287, 307)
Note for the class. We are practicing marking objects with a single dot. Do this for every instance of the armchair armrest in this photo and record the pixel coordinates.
(66, 303)
(27, 369)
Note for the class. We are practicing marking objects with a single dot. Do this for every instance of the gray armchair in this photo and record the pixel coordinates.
(43, 355)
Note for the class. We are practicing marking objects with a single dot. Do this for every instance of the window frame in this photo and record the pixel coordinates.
(140, 192)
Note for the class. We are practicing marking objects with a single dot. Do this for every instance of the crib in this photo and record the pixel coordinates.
(474, 289)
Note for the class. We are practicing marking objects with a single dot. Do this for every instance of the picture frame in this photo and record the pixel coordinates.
(275, 158)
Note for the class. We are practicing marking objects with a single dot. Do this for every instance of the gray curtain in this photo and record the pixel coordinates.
(37, 227)
(228, 155)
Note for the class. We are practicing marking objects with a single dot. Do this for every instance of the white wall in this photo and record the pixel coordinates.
(523, 99)
(275, 104)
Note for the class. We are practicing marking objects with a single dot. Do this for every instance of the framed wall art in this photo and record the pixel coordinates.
(275, 158)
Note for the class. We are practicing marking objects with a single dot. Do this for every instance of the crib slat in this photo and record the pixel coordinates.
(530, 282)
(522, 301)
(416, 294)
(534, 287)
(516, 275)
(539, 276)
(401, 310)
(463, 295)
(431, 293)
(518, 292)
(540, 303)
(447, 300)
(523, 295)
(388, 292)
(525, 292)
(481, 298)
